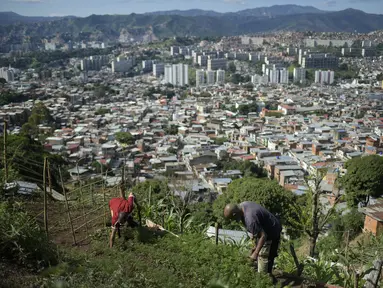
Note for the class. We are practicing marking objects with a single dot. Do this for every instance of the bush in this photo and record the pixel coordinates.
(263, 191)
(22, 239)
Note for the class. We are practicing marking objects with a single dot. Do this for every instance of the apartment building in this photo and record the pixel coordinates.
(215, 64)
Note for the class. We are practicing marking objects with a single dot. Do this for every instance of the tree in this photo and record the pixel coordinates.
(379, 77)
(343, 67)
(263, 191)
(39, 115)
(245, 109)
(220, 141)
(172, 150)
(232, 68)
(364, 179)
(312, 215)
(124, 138)
(236, 78)
(248, 168)
(26, 158)
(102, 111)
(99, 92)
(172, 130)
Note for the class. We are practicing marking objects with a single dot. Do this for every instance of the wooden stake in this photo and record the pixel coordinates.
(356, 283)
(103, 193)
(5, 134)
(67, 208)
(49, 178)
(347, 243)
(45, 198)
(82, 201)
(122, 188)
(216, 233)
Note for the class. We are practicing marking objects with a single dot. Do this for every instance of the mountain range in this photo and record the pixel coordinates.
(14, 27)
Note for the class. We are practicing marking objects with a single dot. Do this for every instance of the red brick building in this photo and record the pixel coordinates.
(373, 222)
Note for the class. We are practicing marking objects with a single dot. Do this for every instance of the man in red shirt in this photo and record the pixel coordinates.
(121, 211)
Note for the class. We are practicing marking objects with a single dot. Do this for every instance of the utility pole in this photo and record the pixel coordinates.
(5, 134)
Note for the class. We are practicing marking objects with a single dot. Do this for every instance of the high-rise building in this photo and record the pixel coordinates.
(274, 76)
(215, 64)
(147, 65)
(258, 79)
(94, 63)
(200, 78)
(299, 75)
(324, 77)
(7, 74)
(320, 61)
(210, 75)
(195, 56)
(177, 74)
(158, 69)
(220, 76)
(174, 50)
(284, 76)
(122, 64)
(168, 69)
(202, 60)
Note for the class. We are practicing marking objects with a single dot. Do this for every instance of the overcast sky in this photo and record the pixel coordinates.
(88, 7)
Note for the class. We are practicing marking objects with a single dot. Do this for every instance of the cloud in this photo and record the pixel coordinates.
(330, 3)
(242, 2)
(28, 1)
(364, 1)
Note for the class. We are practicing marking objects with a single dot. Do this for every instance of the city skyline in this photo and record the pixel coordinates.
(83, 9)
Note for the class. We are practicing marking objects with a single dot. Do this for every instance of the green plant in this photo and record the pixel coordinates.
(320, 270)
(190, 260)
(22, 240)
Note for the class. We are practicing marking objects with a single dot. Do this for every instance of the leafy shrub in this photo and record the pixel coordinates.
(22, 240)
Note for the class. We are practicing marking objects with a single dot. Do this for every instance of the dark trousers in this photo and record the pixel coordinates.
(273, 254)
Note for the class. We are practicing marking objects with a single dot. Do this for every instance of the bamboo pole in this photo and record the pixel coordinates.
(5, 135)
(103, 194)
(49, 177)
(67, 208)
(82, 200)
(45, 198)
(216, 233)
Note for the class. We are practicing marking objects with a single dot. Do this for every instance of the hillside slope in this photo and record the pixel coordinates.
(110, 27)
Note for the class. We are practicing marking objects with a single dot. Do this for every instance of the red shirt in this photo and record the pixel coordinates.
(118, 205)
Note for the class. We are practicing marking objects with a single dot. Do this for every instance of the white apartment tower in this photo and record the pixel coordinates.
(200, 78)
(220, 76)
(210, 75)
(324, 77)
(274, 76)
(177, 74)
(168, 70)
(284, 76)
(299, 75)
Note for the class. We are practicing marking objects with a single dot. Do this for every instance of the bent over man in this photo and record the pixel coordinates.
(263, 226)
(121, 210)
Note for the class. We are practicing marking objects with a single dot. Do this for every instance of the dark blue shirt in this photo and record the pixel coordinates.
(258, 218)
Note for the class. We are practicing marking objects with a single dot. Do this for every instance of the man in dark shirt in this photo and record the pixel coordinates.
(263, 226)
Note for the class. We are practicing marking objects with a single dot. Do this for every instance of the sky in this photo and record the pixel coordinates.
(88, 7)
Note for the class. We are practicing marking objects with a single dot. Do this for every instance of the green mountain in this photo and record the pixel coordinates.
(7, 18)
(113, 27)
